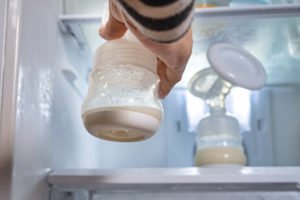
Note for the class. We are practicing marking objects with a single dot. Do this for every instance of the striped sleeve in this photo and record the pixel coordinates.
(163, 21)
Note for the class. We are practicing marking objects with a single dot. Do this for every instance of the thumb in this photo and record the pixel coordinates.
(114, 28)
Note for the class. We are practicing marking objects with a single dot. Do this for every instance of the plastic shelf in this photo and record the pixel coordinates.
(186, 179)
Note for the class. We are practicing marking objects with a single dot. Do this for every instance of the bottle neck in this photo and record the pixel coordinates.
(217, 111)
(125, 52)
(216, 102)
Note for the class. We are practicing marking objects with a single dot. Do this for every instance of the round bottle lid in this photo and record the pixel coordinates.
(236, 66)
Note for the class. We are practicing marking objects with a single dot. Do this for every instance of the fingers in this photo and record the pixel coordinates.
(156, 48)
(171, 73)
(164, 86)
(114, 28)
(168, 78)
(172, 58)
(175, 55)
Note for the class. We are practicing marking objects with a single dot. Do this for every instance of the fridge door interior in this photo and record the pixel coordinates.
(9, 26)
(48, 56)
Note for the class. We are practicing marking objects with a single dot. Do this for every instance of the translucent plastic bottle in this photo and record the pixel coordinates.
(218, 139)
(122, 102)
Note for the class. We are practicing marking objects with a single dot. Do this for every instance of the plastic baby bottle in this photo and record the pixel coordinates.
(218, 139)
(122, 102)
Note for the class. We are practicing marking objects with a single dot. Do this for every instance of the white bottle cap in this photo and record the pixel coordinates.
(236, 66)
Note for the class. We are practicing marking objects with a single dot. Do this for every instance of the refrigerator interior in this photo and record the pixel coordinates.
(55, 41)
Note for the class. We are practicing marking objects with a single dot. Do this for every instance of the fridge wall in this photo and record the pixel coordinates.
(9, 17)
(48, 131)
(2, 36)
(2, 31)
(274, 137)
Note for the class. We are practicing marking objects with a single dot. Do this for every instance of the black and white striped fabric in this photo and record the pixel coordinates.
(161, 20)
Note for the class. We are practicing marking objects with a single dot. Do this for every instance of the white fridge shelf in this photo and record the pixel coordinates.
(249, 12)
(185, 179)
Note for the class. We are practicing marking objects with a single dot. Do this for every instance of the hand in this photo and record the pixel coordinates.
(172, 57)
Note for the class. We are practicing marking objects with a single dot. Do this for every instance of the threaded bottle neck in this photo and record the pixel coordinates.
(125, 52)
